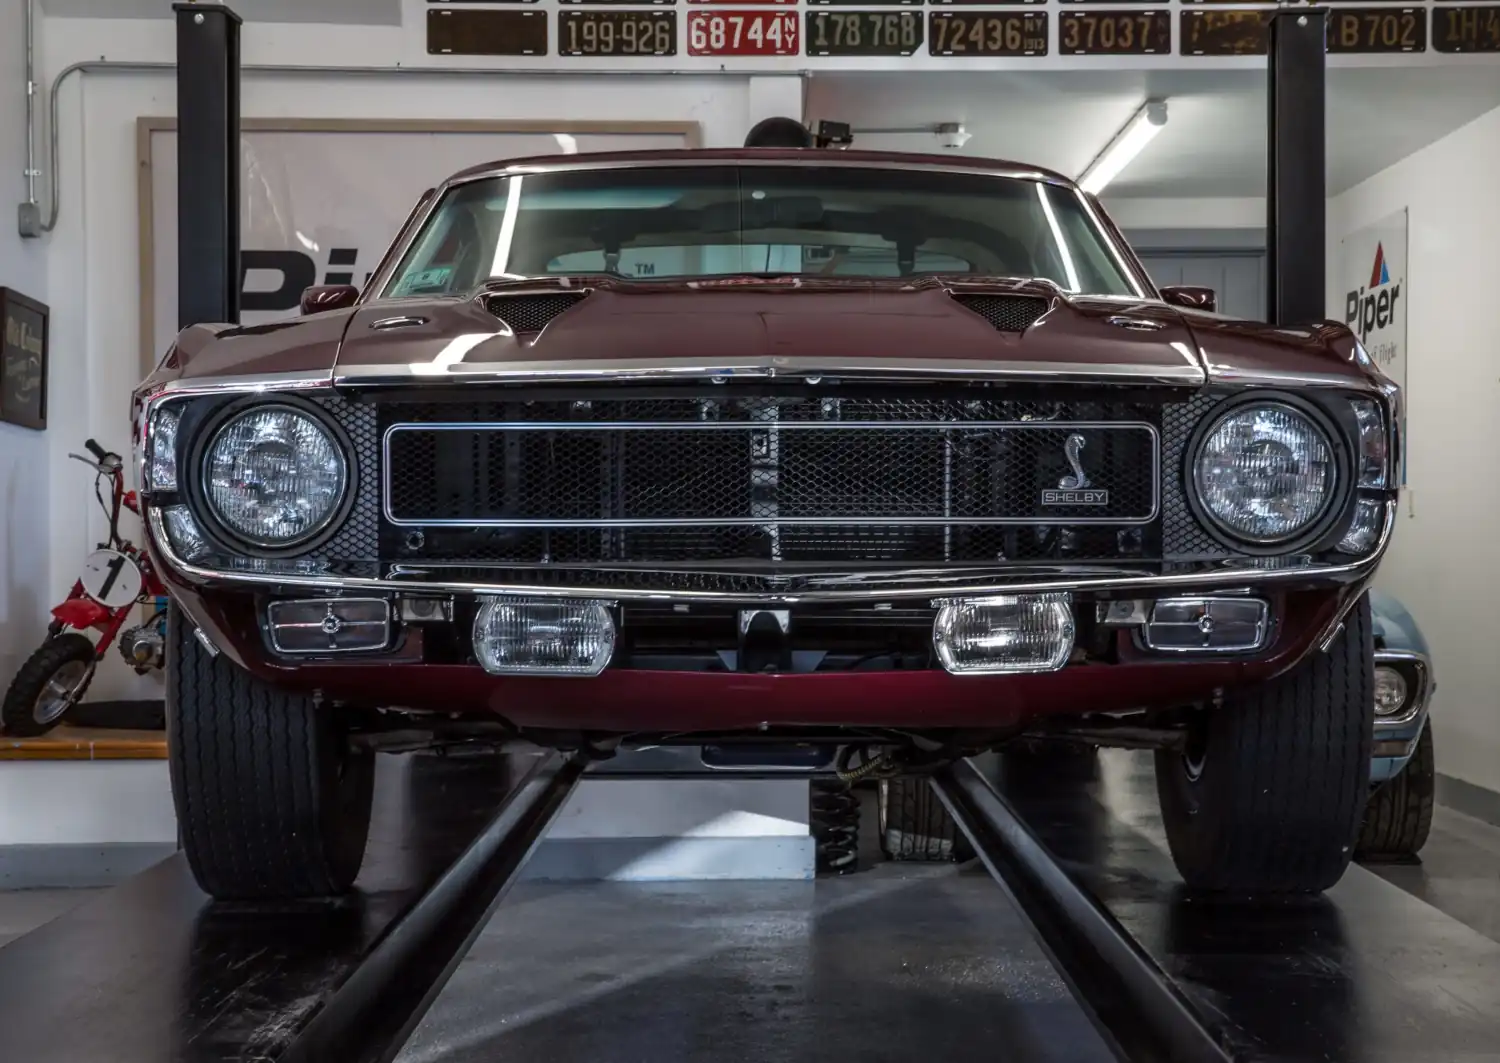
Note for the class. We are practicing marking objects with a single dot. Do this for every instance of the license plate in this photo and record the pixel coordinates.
(742, 33)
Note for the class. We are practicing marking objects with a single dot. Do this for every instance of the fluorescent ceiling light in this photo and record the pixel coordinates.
(1127, 144)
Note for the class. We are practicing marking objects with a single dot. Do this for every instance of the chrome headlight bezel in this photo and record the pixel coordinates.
(1338, 504)
(194, 470)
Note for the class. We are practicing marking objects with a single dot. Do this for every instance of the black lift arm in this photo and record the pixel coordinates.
(373, 1014)
(1137, 1009)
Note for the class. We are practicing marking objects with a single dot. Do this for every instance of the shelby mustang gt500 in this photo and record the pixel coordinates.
(899, 455)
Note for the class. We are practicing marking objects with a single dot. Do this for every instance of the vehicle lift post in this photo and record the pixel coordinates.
(1296, 157)
(208, 164)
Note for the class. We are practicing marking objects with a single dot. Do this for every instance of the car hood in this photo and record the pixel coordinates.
(773, 329)
(768, 328)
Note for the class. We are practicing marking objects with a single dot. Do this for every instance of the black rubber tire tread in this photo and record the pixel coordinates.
(915, 824)
(1398, 817)
(1285, 779)
(17, 714)
(271, 804)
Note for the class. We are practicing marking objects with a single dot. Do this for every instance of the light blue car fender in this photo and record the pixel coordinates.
(1400, 645)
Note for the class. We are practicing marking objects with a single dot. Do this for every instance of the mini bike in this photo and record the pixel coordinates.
(116, 578)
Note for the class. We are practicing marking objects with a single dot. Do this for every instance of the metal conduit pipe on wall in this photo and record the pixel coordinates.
(127, 66)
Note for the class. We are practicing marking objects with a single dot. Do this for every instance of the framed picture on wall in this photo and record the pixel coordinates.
(23, 360)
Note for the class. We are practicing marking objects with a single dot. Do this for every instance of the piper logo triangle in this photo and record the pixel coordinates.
(1380, 274)
(1374, 308)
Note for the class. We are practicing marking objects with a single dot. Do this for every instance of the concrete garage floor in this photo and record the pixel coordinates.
(930, 959)
(902, 961)
(22, 911)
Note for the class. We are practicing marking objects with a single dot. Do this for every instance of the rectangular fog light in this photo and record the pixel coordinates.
(1208, 625)
(1009, 633)
(526, 636)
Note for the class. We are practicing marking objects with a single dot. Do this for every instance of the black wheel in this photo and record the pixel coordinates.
(1267, 797)
(272, 803)
(915, 824)
(49, 684)
(1398, 817)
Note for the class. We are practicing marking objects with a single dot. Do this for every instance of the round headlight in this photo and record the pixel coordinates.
(1265, 473)
(274, 476)
(1390, 691)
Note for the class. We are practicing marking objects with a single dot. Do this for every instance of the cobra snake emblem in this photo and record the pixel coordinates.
(1079, 480)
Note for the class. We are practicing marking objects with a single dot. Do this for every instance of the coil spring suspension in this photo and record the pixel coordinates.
(835, 826)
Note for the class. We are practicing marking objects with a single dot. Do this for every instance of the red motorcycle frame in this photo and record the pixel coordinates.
(116, 579)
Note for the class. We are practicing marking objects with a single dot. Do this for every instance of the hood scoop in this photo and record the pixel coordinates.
(1005, 313)
(530, 311)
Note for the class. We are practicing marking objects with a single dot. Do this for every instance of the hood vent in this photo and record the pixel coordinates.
(531, 311)
(1007, 313)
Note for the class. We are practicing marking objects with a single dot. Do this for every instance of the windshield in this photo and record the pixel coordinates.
(720, 220)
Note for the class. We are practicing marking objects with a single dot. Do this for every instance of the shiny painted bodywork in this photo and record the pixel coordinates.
(667, 701)
(764, 327)
(832, 321)
(1396, 631)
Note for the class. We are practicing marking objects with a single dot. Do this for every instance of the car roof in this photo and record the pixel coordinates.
(808, 156)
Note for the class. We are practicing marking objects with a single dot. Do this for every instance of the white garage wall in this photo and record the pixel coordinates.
(1204, 212)
(90, 266)
(1441, 560)
(94, 250)
(24, 586)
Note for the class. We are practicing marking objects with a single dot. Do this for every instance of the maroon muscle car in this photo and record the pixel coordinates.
(900, 455)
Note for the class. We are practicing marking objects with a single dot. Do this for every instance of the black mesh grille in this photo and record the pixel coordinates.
(359, 537)
(1008, 313)
(934, 463)
(530, 313)
(774, 472)
(893, 544)
(1183, 537)
(751, 408)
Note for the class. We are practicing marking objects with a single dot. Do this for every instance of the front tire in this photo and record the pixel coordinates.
(1269, 795)
(1398, 817)
(272, 802)
(48, 686)
(915, 824)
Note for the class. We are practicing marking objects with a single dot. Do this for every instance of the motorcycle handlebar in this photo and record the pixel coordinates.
(107, 462)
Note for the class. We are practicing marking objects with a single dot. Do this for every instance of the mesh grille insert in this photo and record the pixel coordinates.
(771, 474)
(1007, 313)
(531, 313)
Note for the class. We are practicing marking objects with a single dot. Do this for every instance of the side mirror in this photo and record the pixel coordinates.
(325, 297)
(1190, 295)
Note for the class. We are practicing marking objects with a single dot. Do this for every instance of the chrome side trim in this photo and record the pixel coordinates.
(755, 521)
(205, 641)
(1237, 576)
(300, 380)
(769, 367)
(1419, 697)
(1285, 378)
(1121, 259)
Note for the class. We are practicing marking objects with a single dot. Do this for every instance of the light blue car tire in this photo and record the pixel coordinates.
(1398, 817)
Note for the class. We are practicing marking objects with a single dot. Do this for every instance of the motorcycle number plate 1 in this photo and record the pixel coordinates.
(111, 578)
(742, 33)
